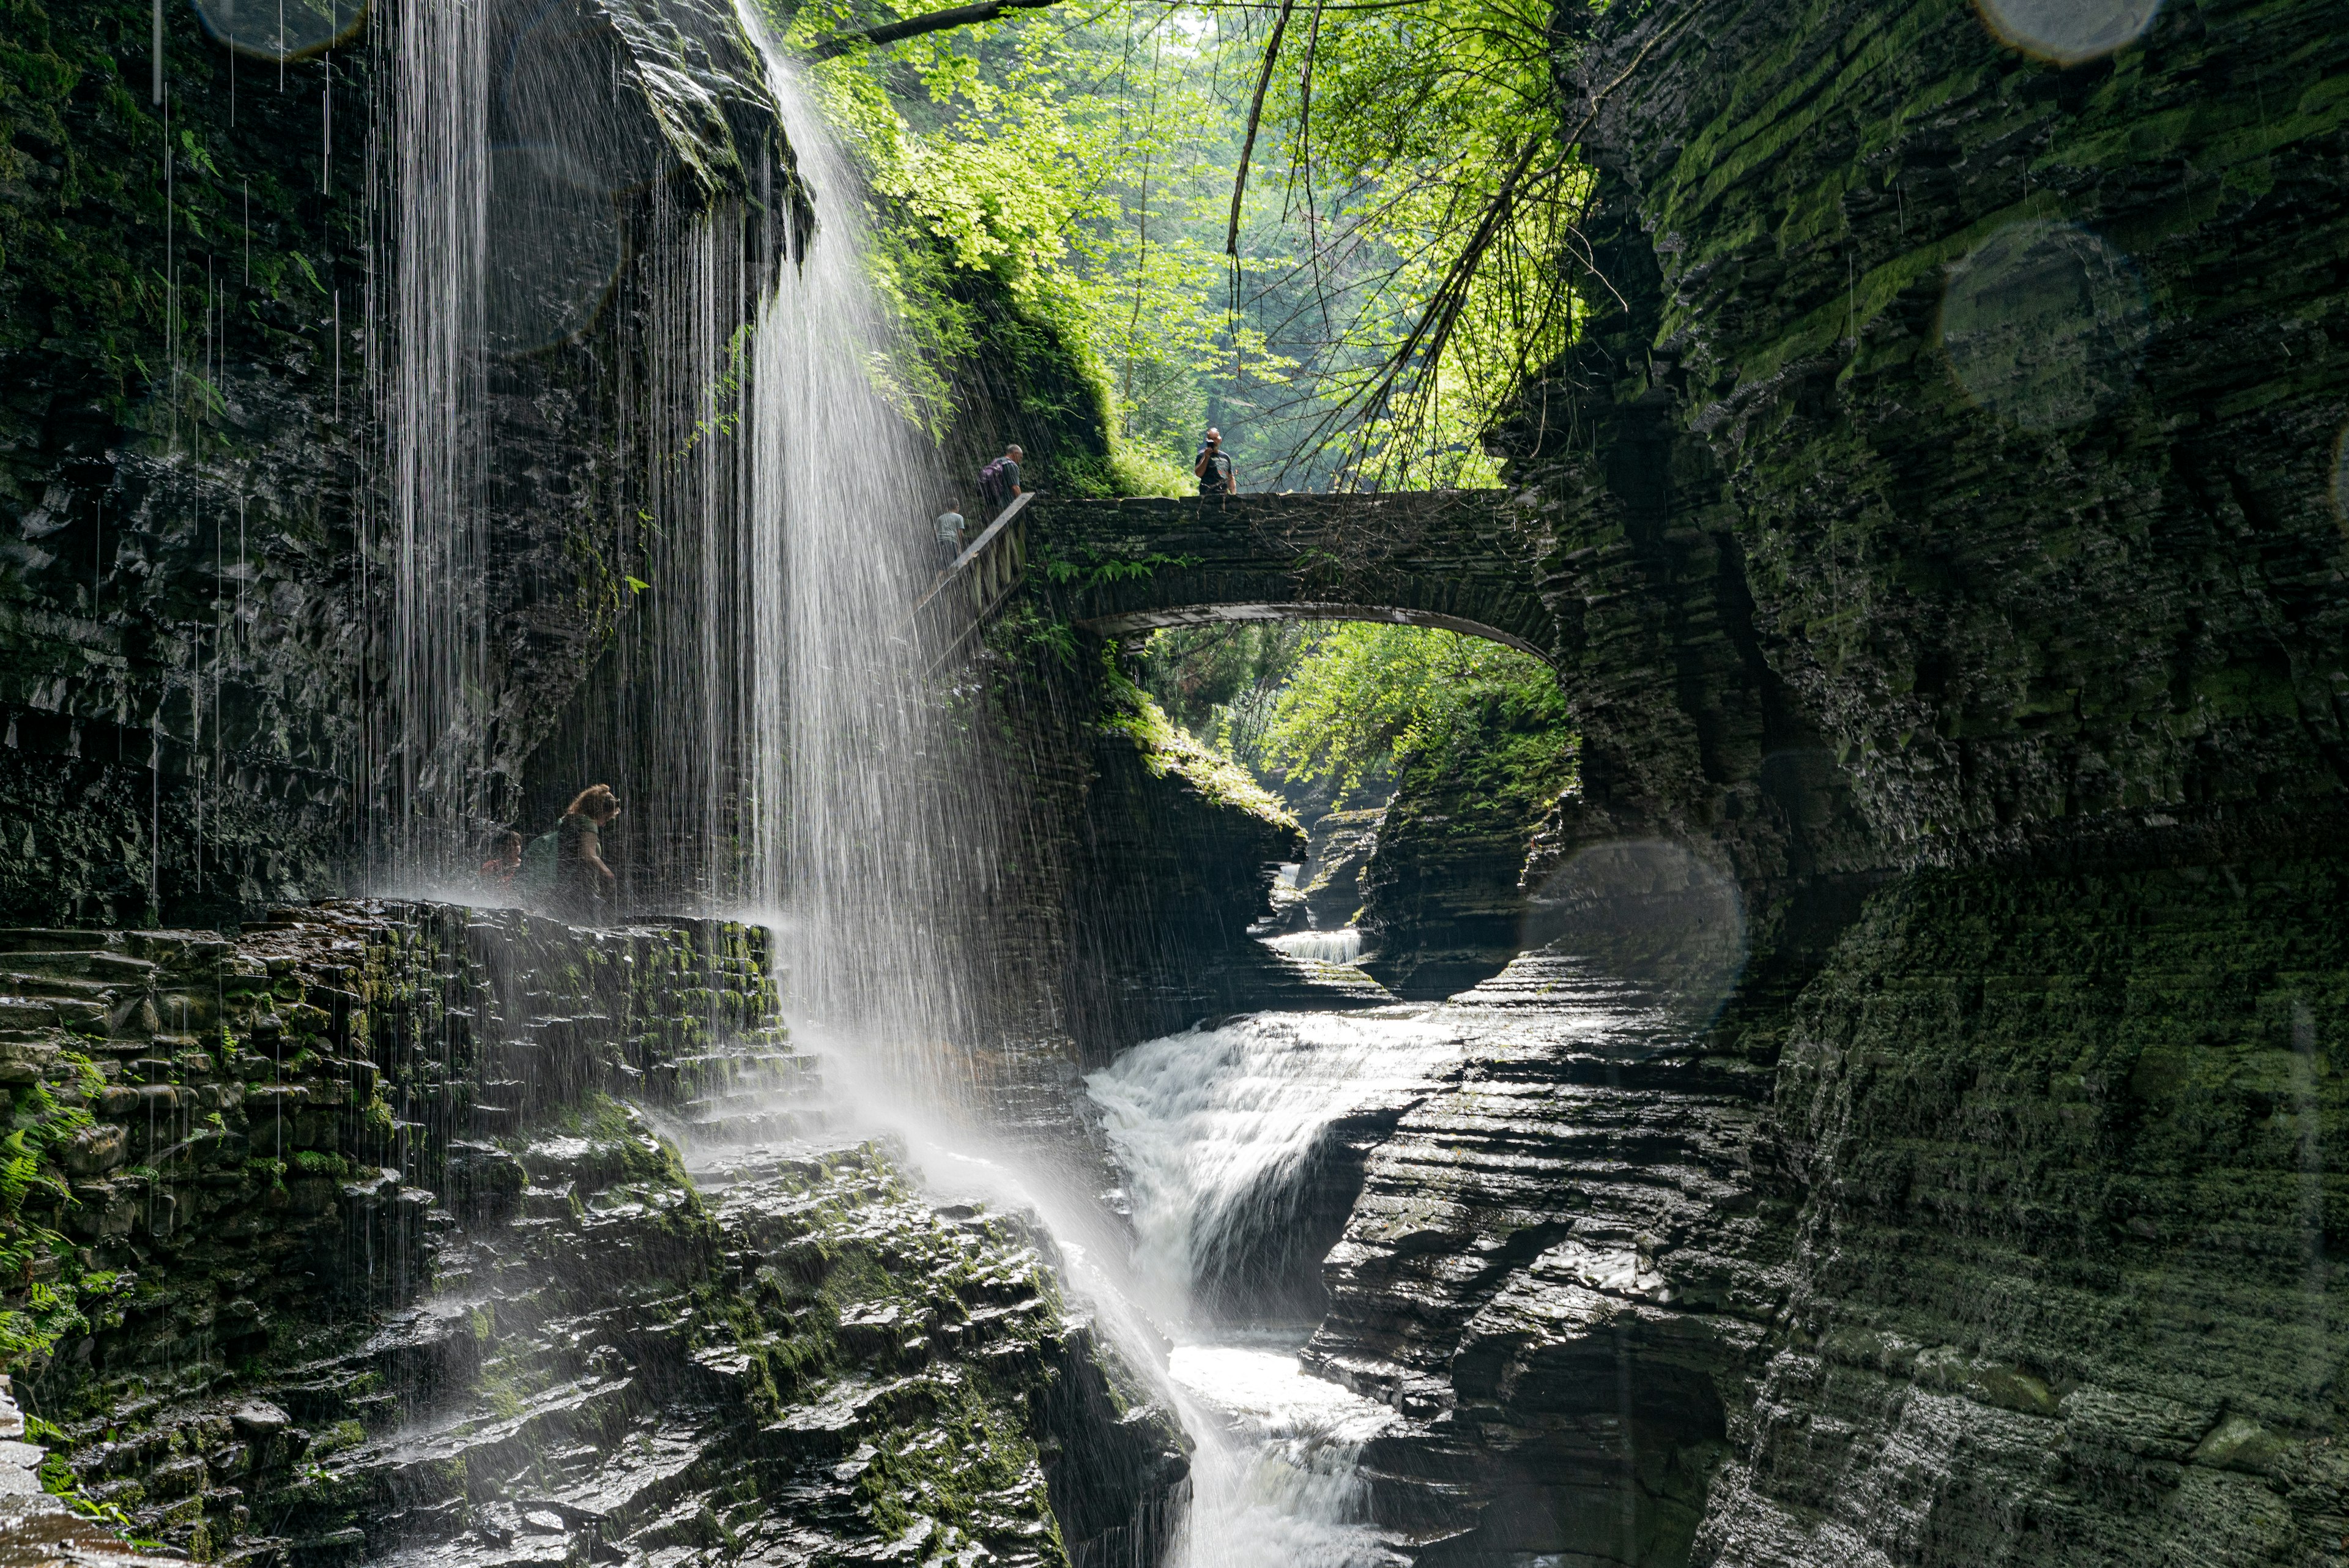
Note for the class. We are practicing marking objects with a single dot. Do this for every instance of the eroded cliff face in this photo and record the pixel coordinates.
(1947, 552)
(1443, 904)
(200, 341)
(353, 1238)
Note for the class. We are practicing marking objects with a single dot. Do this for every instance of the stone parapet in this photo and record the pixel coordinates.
(1456, 559)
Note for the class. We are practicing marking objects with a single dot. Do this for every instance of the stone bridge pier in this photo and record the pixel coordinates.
(1458, 559)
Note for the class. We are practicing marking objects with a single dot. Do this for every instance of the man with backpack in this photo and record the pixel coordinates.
(1214, 469)
(999, 481)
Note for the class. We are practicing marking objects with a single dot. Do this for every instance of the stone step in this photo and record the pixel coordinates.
(34, 938)
(26, 1012)
(23, 984)
(715, 1107)
(792, 1084)
(79, 964)
(781, 1122)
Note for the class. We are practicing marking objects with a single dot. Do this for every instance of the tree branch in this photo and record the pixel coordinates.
(1256, 113)
(913, 26)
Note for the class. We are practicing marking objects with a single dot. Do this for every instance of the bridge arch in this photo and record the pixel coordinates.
(1178, 616)
(1450, 559)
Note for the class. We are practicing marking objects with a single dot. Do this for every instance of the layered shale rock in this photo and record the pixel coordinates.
(1560, 1270)
(1443, 900)
(353, 1238)
(2061, 1289)
(1332, 877)
(1175, 856)
(1947, 565)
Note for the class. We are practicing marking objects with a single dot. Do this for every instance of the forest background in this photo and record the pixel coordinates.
(1343, 234)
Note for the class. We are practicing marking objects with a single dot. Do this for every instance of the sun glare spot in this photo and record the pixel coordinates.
(2044, 324)
(2067, 32)
(281, 29)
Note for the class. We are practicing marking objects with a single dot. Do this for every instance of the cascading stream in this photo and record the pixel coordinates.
(791, 552)
(1223, 1135)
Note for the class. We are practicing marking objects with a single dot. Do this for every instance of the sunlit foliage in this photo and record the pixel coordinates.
(1221, 681)
(1430, 202)
(1347, 707)
(1367, 698)
(1399, 268)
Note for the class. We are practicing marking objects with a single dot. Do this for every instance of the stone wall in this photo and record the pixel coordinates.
(353, 1236)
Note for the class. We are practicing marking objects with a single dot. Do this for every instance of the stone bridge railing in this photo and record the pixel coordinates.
(1454, 559)
(1441, 559)
(977, 584)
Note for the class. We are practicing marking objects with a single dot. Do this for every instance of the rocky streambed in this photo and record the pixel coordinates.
(2001, 1238)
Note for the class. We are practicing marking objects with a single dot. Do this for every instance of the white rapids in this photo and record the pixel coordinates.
(1215, 1129)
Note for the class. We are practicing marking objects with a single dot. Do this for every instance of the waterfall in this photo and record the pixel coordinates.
(434, 405)
(1222, 1134)
(1218, 1132)
(867, 841)
(792, 756)
(1343, 945)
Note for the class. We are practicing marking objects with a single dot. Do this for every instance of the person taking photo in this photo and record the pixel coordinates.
(1214, 468)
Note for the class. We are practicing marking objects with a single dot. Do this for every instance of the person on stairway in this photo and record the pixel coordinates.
(585, 890)
(1214, 468)
(949, 538)
(999, 481)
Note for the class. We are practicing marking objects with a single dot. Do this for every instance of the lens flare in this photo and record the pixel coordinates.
(2044, 324)
(1649, 913)
(2067, 32)
(281, 29)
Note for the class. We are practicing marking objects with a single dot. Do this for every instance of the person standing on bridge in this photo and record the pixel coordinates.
(1214, 469)
(999, 481)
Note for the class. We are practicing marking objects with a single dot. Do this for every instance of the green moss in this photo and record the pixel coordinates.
(1167, 748)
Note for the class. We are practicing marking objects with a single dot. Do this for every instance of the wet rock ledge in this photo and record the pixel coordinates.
(364, 1236)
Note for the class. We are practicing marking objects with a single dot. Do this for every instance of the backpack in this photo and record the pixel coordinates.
(991, 484)
(537, 874)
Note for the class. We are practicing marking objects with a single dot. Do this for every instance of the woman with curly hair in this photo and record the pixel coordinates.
(584, 885)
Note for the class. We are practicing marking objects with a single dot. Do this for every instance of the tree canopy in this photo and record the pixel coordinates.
(1354, 313)
(1349, 707)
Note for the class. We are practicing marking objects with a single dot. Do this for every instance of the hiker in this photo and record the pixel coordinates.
(999, 481)
(498, 870)
(949, 538)
(1214, 469)
(582, 880)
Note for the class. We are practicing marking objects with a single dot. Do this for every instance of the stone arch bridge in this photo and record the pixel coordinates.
(1453, 559)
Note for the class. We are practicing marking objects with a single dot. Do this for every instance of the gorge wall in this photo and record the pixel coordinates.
(210, 703)
(1944, 536)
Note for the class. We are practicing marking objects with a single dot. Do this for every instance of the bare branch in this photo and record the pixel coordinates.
(1256, 113)
(913, 26)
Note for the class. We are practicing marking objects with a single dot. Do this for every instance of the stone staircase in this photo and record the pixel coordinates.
(385, 1253)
